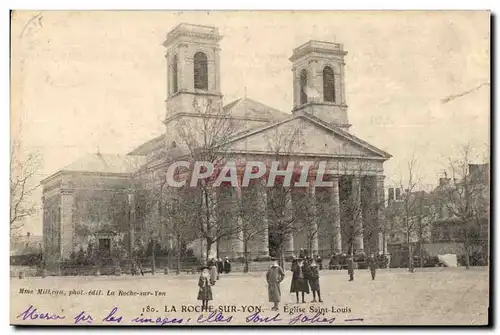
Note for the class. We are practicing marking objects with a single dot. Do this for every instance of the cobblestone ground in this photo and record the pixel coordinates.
(430, 296)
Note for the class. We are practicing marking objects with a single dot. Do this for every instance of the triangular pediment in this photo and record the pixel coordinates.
(303, 135)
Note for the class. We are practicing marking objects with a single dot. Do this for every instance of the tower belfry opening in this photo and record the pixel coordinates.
(318, 81)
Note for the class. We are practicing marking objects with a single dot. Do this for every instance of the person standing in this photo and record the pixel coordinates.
(274, 277)
(204, 288)
(227, 265)
(220, 266)
(372, 264)
(213, 271)
(350, 267)
(314, 281)
(299, 281)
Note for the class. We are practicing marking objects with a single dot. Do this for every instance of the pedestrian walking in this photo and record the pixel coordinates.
(204, 288)
(372, 264)
(227, 265)
(274, 277)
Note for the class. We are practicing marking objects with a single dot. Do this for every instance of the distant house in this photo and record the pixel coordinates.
(26, 249)
(451, 198)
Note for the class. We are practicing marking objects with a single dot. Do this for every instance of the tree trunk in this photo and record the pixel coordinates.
(410, 256)
(178, 265)
(245, 250)
(421, 256)
(466, 246)
(281, 258)
(209, 247)
(153, 259)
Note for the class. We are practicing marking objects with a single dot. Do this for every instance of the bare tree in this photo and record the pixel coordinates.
(360, 206)
(180, 214)
(467, 197)
(205, 138)
(412, 214)
(23, 170)
(281, 214)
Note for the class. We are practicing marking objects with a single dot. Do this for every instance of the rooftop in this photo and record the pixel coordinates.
(318, 47)
(192, 30)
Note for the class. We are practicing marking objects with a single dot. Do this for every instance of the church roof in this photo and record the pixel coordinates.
(148, 146)
(106, 163)
(251, 109)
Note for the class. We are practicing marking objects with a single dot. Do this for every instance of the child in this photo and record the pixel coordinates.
(205, 289)
(314, 281)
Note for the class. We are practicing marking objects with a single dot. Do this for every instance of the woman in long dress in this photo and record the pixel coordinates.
(299, 280)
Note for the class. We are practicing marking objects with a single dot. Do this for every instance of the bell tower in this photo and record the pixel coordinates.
(193, 69)
(318, 81)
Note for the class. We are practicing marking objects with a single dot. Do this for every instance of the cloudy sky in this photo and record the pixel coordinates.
(88, 80)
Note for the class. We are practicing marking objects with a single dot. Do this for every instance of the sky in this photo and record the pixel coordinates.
(88, 81)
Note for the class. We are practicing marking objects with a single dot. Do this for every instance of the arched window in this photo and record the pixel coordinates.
(328, 84)
(175, 85)
(200, 71)
(303, 87)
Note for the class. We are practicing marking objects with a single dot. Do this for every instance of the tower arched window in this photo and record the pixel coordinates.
(175, 80)
(328, 84)
(303, 87)
(200, 71)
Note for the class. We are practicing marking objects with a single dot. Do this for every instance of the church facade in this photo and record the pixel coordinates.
(94, 201)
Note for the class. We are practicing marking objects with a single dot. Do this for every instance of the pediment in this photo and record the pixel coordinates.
(301, 135)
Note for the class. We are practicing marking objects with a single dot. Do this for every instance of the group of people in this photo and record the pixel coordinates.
(305, 278)
(372, 265)
(209, 275)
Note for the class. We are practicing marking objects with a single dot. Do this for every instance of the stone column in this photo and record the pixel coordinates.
(216, 69)
(131, 222)
(261, 199)
(382, 238)
(316, 80)
(341, 84)
(313, 220)
(336, 246)
(289, 248)
(357, 215)
(67, 225)
(237, 245)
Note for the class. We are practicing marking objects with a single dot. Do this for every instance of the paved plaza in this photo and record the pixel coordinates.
(437, 296)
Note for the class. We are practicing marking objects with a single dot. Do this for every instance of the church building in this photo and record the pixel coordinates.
(94, 201)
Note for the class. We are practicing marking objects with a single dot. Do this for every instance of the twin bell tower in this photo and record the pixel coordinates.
(193, 75)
